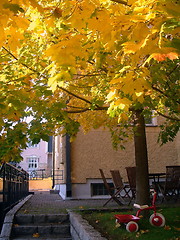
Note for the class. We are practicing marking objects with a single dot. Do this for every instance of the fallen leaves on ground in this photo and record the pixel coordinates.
(141, 232)
(36, 235)
(167, 227)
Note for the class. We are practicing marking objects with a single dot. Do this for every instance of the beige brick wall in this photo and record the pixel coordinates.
(94, 150)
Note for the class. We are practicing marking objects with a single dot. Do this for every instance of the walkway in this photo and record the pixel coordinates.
(42, 202)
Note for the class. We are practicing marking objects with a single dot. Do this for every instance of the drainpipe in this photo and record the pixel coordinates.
(53, 162)
(68, 167)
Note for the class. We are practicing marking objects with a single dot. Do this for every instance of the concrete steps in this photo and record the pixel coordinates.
(41, 226)
(25, 237)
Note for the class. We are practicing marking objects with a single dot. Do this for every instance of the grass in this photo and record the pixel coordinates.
(104, 222)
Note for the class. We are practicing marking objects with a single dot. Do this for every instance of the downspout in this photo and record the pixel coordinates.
(53, 162)
(68, 167)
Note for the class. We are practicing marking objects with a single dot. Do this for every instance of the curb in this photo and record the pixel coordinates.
(80, 228)
(8, 221)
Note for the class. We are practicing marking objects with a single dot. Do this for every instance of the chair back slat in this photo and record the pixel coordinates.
(131, 174)
(104, 180)
(172, 177)
(171, 188)
(112, 191)
(117, 179)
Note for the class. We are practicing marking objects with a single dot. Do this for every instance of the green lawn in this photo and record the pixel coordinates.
(104, 222)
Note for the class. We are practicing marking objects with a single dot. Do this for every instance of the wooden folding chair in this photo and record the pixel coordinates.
(131, 174)
(171, 187)
(121, 189)
(110, 190)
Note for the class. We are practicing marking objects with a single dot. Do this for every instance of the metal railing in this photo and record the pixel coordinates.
(57, 177)
(38, 174)
(14, 186)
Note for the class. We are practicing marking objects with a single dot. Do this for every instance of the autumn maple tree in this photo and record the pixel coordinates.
(87, 63)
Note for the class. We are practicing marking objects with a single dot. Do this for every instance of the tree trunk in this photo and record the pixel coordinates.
(141, 159)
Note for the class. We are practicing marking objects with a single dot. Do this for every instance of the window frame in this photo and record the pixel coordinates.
(100, 188)
(34, 161)
(153, 119)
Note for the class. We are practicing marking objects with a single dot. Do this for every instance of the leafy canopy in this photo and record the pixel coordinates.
(86, 62)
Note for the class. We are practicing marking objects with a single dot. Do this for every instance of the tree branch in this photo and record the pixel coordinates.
(168, 117)
(12, 55)
(160, 91)
(77, 111)
(177, 65)
(74, 95)
(86, 109)
(122, 2)
(63, 89)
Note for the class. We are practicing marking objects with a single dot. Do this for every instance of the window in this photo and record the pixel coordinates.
(98, 189)
(151, 120)
(32, 162)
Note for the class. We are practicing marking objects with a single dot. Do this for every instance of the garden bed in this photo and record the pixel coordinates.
(104, 222)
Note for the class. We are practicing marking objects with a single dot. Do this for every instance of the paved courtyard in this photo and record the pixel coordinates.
(42, 202)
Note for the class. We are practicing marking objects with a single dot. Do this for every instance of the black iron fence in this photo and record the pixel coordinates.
(14, 186)
(38, 174)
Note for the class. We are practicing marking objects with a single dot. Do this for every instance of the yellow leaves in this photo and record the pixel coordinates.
(112, 94)
(141, 232)
(13, 38)
(36, 235)
(132, 82)
(81, 207)
(131, 87)
(133, 47)
(171, 7)
(36, 5)
(94, 37)
(81, 13)
(177, 229)
(61, 55)
(5, 22)
(67, 51)
(100, 20)
(130, 47)
(36, 23)
(117, 225)
(166, 227)
(123, 103)
(59, 80)
(20, 23)
(2, 36)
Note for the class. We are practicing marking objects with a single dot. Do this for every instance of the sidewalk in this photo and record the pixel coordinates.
(42, 202)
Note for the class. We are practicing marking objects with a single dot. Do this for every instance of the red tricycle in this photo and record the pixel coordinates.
(156, 219)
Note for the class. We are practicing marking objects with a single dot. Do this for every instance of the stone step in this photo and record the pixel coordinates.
(51, 237)
(40, 218)
(42, 229)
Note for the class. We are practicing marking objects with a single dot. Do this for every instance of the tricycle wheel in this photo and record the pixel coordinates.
(132, 226)
(157, 219)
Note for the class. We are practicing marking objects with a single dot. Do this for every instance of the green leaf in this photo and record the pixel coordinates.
(13, 7)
